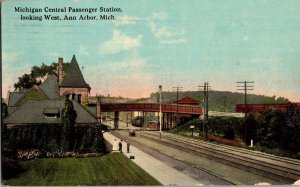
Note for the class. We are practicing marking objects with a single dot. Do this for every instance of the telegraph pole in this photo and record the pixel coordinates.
(205, 93)
(177, 88)
(160, 114)
(244, 86)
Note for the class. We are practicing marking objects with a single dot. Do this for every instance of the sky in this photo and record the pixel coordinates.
(169, 43)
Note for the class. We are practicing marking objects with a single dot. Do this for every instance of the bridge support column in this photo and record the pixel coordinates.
(144, 121)
(173, 118)
(170, 121)
(163, 120)
(116, 120)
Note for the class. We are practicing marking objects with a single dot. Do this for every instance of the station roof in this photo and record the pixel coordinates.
(74, 77)
(33, 112)
(188, 101)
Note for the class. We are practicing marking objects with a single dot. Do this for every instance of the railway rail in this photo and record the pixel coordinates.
(210, 178)
(283, 170)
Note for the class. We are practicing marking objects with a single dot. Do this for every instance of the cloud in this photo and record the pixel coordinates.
(159, 16)
(83, 51)
(9, 57)
(176, 41)
(166, 34)
(76, 1)
(120, 42)
(164, 31)
(126, 20)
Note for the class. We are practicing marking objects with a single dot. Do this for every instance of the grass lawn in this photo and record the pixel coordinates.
(110, 169)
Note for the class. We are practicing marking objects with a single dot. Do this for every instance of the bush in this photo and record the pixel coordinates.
(48, 138)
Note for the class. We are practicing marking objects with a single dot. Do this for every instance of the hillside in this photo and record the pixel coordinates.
(219, 100)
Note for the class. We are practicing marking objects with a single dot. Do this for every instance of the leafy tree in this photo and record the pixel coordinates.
(68, 117)
(88, 139)
(250, 125)
(25, 82)
(38, 74)
(98, 144)
(84, 142)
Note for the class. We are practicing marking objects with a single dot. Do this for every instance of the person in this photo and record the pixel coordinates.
(120, 146)
(128, 146)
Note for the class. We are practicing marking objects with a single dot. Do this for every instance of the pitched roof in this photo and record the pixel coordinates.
(34, 93)
(11, 109)
(50, 87)
(14, 97)
(74, 77)
(33, 112)
(188, 101)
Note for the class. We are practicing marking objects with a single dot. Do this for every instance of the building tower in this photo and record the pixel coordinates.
(73, 85)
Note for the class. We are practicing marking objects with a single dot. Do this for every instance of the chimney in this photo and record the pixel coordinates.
(59, 69)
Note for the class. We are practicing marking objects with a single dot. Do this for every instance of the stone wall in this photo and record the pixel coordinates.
(84, 92)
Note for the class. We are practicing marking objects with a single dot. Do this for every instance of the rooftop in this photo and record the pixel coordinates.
(74, 77)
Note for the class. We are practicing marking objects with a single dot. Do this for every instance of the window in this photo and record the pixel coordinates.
(51, 112)
(79, 98)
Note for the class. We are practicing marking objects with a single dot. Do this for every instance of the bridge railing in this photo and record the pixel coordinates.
(151, 107)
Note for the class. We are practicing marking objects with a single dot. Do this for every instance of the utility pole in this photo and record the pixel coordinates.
(245, 87)
(177, 89)
(160, 114)
(205, 93)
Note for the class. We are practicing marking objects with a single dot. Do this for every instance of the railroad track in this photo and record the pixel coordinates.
(283, 170)
(213, 178)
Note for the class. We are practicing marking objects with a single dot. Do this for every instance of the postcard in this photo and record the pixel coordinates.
(123, 92)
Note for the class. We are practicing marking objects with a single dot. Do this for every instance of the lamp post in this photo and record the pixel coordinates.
(160, 114)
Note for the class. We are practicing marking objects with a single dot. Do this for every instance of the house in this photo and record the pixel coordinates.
(43, 104)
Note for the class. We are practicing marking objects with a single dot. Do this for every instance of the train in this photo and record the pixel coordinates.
(137, 121)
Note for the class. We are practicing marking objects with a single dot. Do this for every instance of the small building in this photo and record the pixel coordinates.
(188, 101)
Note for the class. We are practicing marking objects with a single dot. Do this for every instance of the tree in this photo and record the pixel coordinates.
(98, 144)
(68, 117)
(38, 74)
(25, 82)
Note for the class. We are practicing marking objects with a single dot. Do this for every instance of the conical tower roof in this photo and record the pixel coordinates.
(74, 77)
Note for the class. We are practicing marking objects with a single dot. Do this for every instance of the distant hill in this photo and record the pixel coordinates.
(219, 100)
